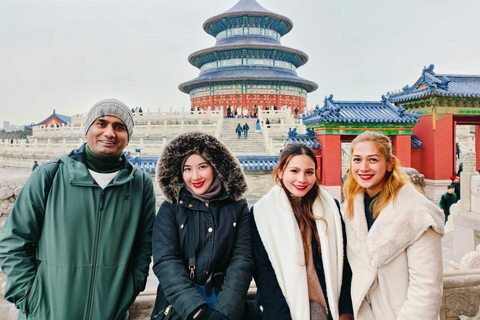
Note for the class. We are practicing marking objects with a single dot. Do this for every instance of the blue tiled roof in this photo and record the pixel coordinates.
(65, 119)
(415, 142)
(312, 142)
(444, 85)
(248, 47)
(361, 112)
(256, 73)
(149, 164)
(146, 164)
(247, 6)
(258, 162)
(254, 11)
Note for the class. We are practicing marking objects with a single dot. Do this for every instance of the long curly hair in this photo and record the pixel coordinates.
(302, 208)
(393, 181)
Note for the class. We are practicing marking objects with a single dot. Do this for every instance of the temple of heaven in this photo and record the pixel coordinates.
(248, 66)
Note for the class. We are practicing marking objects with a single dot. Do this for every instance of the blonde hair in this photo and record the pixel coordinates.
(393, 181)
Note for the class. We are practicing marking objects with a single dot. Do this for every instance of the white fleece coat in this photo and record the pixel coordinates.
(397, 265)
(282, 240)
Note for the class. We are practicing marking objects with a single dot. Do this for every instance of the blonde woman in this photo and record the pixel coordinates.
(393, 237)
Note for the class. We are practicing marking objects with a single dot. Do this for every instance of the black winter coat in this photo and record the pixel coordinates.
(224, 245)
(222, 230)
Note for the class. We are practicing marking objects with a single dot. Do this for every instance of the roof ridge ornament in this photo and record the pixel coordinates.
(310, 132)
(444, 84)
(428, 70)
(400, 109)
(328, 100)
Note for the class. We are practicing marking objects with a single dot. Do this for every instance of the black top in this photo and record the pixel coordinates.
(269, 294)
(457, 189)
(368, 211)
(446, 201)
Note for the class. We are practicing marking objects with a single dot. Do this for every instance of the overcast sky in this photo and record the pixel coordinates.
(67, 55)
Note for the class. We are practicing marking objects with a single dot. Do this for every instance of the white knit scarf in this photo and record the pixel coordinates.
(282, 240)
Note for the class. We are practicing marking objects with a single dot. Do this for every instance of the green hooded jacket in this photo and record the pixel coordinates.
(71, 250)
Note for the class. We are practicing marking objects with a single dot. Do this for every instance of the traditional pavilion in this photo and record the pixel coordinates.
(54, 119)
(444, 101)
(342, 121)
(248, 66)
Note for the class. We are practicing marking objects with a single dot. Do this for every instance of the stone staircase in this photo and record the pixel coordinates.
(253, 145)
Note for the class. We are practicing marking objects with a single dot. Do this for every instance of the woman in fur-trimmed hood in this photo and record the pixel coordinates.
(201, 238)
(214, 151)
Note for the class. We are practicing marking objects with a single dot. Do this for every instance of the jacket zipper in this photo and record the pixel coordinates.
(167, 310)
(213, 232)
(95, 257)
(213, 242)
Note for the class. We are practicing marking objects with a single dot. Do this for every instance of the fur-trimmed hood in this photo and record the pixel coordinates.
(169, 175)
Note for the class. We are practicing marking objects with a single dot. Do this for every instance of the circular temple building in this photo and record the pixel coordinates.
(248, 65)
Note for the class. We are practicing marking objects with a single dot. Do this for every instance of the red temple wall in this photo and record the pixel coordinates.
(417, 159)
(402, 149)
(438, 146)
(249, 100)
(331, 155)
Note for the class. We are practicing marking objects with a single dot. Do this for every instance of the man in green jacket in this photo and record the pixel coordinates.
(77, 244)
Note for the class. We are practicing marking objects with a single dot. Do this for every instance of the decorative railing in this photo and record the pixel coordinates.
(159, 116)
(146, 124)
(283, 120)
(52, 149)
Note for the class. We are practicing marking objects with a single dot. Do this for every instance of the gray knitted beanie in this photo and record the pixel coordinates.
(110, 107)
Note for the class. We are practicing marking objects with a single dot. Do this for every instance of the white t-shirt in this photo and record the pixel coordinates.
(103, 179)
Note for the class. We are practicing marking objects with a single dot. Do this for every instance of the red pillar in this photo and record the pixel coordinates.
(402, 149)
(477, 146)
(438, 146)
(331, 159)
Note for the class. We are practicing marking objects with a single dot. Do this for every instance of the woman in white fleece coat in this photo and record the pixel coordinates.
(298, 245)
(393, 237)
